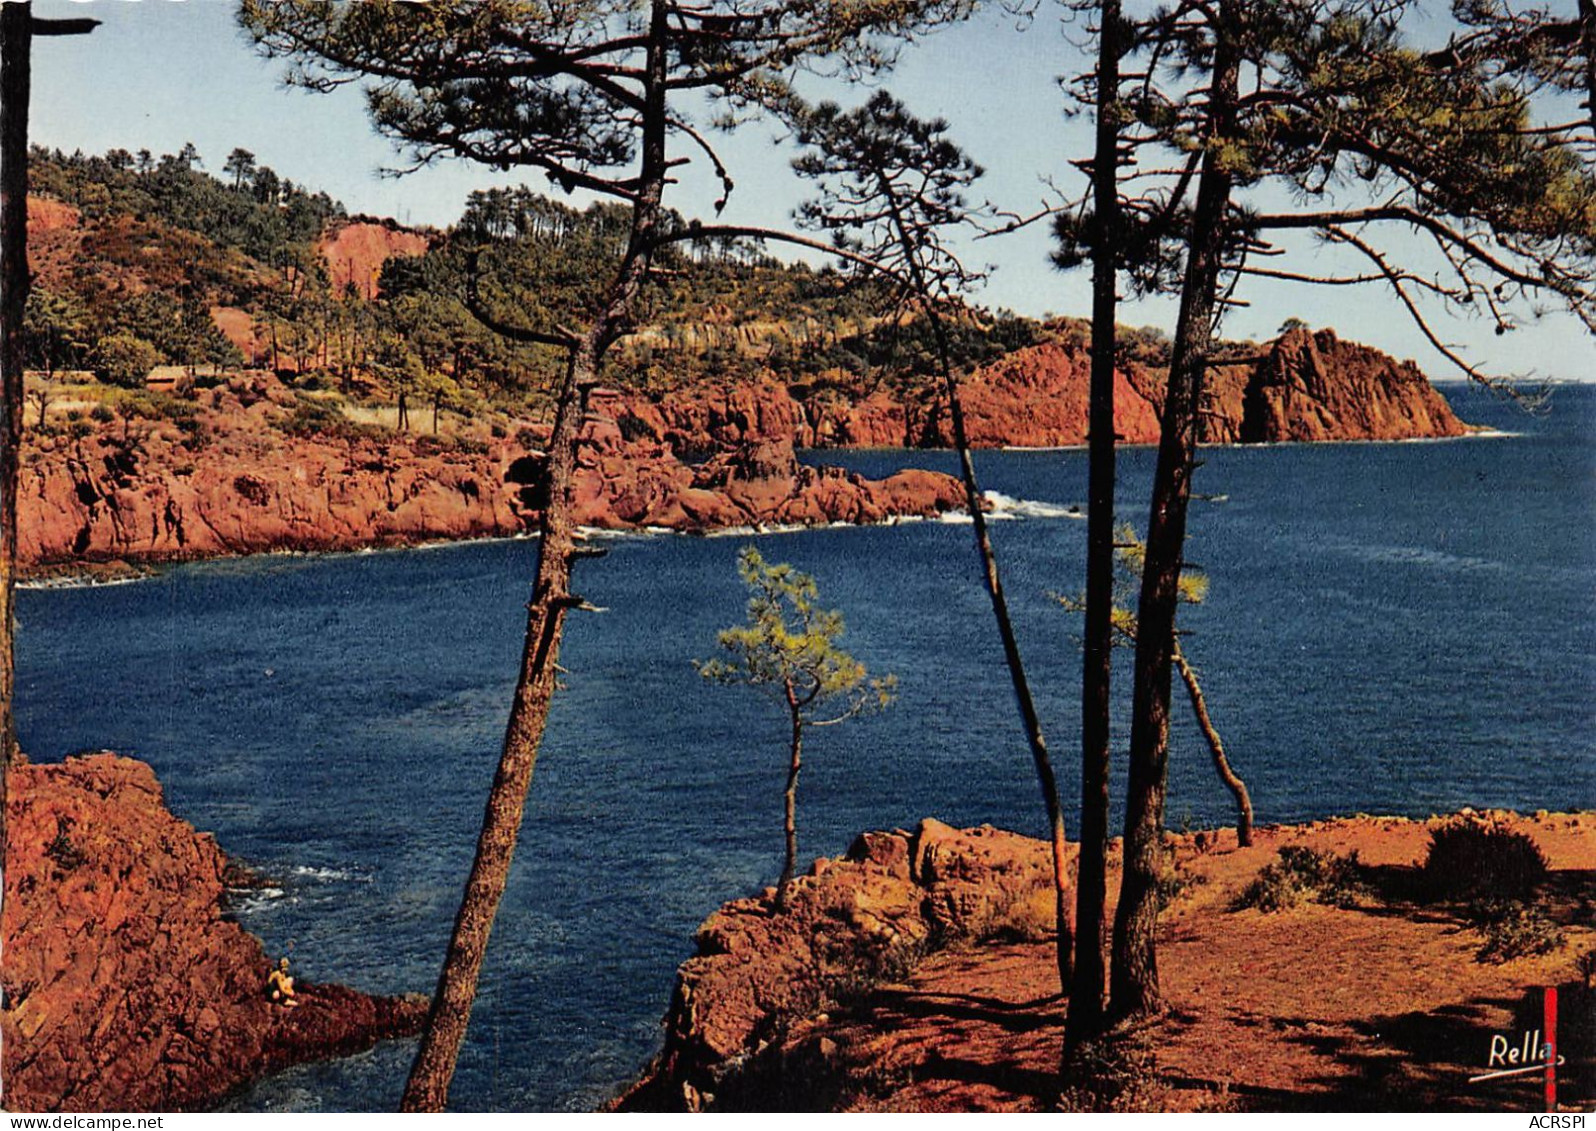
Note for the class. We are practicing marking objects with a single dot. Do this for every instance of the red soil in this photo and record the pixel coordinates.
(1382, 1006)
(356, 251)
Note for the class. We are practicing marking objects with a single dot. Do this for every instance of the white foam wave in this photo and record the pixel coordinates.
(328, 875)
(248, 901)
(761, 529)
(611, 534)
(85, 581)
(1007, 507)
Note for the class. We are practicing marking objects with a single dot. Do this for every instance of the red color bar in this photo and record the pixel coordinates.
(1551, 1048)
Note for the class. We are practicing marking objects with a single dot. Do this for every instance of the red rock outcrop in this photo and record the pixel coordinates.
(864, 918)
(125, 988)
(238, 326)
(48, 215)
(55, 240)
(752, 479)
(229, 479)
(1037, 397)
(355, 252)
(1303, 386)
(1314, 386)
(226, 482)
(838, 1007)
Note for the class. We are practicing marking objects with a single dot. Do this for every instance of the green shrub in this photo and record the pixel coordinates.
(1300, 875)
(65, 853)
(873, 968)
(1475, 859)
(429, 445)
(1513, 930)
(314, 418)
(124, 360)
(156, 406)
(1174, 881)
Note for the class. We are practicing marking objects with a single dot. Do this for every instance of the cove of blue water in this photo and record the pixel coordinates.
(1392, 628)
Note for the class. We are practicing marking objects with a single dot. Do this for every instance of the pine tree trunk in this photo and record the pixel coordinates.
(428, 1086)
(1063, 917)
(1587, 24)
(1085, 1016)
(1237, 787)
(789, 868)
(1062, 904)
(15, 51)
(1133, 981)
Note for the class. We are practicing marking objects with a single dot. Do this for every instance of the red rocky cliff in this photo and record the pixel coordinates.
(1314, 386)
(125, 988)
(865, 918)
(355, 252)
(235, 476)
(1303, 386)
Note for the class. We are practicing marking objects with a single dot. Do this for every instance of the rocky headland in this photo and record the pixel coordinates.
(126, 986)
(275, 461)
(240, 472)
(253, 466)
(916, 973)
(1303, 386)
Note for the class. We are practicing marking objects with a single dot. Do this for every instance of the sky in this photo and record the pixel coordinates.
(159, 73)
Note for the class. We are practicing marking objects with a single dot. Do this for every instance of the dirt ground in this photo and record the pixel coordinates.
(1379, 1006)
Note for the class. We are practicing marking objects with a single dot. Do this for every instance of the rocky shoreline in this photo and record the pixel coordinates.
(235, 476)
(126, 986)
(251, 466)
(916, 973)
(854, 922)
(1302, 387)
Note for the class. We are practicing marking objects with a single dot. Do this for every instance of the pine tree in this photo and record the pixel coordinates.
(1367, 134)
(788, 650)
(893, 191)
(596, 97)
(240, 165)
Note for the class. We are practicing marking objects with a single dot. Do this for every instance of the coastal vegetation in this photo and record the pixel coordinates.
(552, 344)
(1299, 875)
(604, 119)
(789, 650)
(1328, 101)
(892, 191)
(1303, 961)
(152, 264)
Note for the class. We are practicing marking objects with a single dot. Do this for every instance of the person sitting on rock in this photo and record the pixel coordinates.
(280, 986)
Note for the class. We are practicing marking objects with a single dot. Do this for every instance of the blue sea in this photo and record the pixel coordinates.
(1398, 628)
